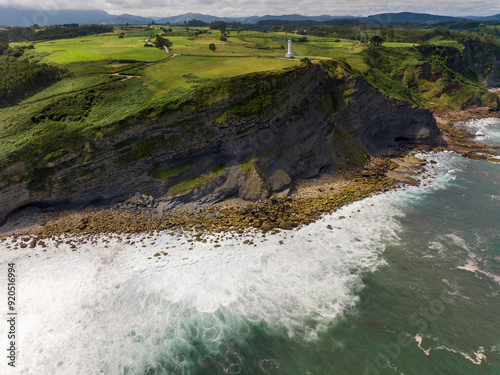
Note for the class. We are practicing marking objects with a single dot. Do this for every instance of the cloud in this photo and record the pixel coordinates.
(163, 8)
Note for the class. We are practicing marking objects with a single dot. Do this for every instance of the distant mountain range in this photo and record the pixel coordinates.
(29, 17)
(496, 17)
(252, 19)
(408, 17)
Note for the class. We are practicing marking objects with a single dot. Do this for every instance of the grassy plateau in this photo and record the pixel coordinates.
(114, 78)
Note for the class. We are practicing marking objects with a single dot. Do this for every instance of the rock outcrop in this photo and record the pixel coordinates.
(306, 121)
(483, 61)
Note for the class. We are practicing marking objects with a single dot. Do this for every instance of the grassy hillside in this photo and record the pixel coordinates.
(425, 75)
(114, 81)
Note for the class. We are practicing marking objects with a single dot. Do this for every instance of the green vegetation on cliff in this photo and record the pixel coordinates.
(430, 76)
(19, 77)
(96, 86)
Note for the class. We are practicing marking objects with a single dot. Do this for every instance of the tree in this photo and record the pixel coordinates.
(121, 35)
(306, 61)
(376, 40)
(19, 77)
(218, 25)
(196, 23)
(3, 45)
(212, 47)
(161, 42)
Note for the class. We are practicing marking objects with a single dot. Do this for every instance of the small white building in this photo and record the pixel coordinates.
(289, 54)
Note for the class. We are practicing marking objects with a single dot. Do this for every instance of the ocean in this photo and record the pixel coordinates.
(405, 282)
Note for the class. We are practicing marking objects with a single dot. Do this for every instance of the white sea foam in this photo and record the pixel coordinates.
(103, 310)
(106, 308)
(436, 245)
(472, 262)
(486, 130)
(418, 340)
(476, 357)
(473, 267)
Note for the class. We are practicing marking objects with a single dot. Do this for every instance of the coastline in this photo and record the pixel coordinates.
(309, 200)
(387, 244)
(459, 140)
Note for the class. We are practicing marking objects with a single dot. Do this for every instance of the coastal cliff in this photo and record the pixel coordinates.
(481, 61)
(250, 143)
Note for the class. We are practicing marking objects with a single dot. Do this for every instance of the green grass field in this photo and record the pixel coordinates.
(97, 86)
(439, 41)
(183, 71)
(97, 48)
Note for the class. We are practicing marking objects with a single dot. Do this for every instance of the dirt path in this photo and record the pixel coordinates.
(125, 77)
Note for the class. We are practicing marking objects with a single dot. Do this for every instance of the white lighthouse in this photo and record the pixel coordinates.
(289, 54)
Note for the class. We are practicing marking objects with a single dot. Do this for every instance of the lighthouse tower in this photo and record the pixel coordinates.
(289, 54)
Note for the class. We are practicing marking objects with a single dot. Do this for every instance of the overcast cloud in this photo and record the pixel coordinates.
(228, 8)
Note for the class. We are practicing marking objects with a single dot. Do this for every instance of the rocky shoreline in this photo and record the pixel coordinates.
(459, 140)
(310, 199)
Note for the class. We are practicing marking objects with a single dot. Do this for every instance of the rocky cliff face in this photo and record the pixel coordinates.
(311, 120)
(482, 60)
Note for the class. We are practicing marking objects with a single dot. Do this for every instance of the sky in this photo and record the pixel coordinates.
(228, 8)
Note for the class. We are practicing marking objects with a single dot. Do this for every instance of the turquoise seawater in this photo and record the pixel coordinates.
(407, 283)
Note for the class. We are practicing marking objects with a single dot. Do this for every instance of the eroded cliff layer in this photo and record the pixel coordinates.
(249, 143)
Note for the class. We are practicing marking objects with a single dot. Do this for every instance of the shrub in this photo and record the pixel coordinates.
(305, 60)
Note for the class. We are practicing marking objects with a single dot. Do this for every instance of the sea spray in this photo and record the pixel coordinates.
(485, 130)
(114, 308)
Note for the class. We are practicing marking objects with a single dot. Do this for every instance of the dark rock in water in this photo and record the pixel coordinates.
(475, 156)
